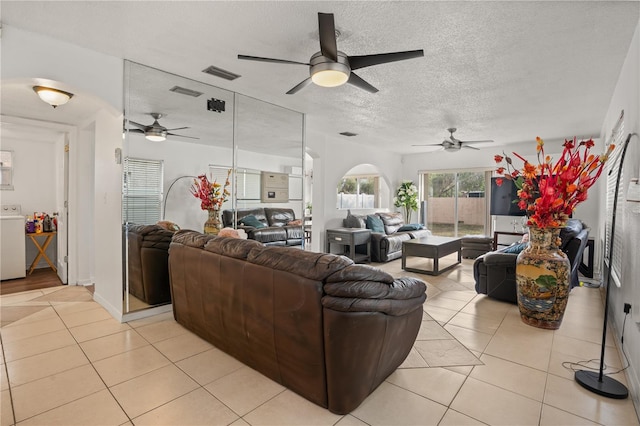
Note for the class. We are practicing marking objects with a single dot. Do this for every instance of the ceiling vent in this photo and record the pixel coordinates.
(184, 91)
(219, 72)
(349, 134)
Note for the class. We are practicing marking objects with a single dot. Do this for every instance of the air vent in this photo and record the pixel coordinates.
(184, 91)
(349, 134)
(219, 72)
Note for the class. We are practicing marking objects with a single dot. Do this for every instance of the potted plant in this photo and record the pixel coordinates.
(407, 198)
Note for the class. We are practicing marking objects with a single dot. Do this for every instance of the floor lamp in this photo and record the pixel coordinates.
(590, 380)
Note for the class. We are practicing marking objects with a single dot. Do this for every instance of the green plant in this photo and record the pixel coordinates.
(407, 198)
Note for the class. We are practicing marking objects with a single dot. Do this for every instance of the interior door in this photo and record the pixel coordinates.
(62, 210)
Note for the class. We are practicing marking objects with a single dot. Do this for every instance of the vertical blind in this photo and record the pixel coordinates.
(613, 255)
(142, 189)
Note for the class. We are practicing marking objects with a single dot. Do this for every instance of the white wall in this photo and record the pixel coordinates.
(97, 77)
(332, 158)
(627, 97)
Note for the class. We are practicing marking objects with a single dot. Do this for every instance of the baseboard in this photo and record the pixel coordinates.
(115, 312)
(132, 316)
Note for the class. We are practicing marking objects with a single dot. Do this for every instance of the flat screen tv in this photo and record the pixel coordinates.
(503, 197)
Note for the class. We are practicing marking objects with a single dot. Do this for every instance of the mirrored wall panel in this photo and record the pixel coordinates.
(177, 130)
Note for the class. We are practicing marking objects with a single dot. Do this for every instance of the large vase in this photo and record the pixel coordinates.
(542, 274)
(213, 224)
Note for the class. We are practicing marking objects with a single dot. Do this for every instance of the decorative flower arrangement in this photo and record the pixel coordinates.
(550, 192)
(211, 194)
(407, 198)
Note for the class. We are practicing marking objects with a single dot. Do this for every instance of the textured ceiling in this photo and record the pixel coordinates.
(507, 71)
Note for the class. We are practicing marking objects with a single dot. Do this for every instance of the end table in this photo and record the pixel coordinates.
(350, 237)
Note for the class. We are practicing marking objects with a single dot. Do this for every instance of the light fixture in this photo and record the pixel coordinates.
(327, 73)
(53, 97)
(155, 134)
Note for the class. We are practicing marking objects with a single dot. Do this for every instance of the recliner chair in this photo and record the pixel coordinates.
(495, 272)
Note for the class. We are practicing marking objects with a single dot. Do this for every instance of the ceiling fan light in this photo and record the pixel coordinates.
(330, 78)
(53, 97)
(155, 135)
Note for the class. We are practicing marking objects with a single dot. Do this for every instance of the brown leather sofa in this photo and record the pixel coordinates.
(325, 328)
(148, 260)
(277, 231)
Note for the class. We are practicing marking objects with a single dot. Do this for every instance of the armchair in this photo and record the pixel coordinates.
(495, 272)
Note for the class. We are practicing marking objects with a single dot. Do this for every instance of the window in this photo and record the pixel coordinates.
(613, 255)
(142, 189)
(6, 170)
(358, 192)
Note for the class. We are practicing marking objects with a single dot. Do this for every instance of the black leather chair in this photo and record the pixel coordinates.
(495, 272)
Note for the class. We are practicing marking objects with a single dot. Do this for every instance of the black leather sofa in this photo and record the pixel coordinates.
(495, 272)
(387, 245)
(277, 231)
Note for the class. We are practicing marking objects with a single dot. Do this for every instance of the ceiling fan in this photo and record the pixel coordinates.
(155, 132)
(451, 144)
(330, 67)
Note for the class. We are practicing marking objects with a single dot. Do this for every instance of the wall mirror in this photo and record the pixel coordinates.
(176, 129)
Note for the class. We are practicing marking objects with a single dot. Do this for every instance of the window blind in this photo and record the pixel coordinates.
(142, 189)
(613, 255)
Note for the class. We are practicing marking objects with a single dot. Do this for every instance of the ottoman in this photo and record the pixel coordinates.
(475, 245)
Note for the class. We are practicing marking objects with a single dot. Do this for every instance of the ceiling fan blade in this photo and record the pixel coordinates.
(178, 128)
(487, 141)
(136, 131)
(181, 136)
(429, 144)
(357, 62)
(300, 86)
(327, 33)
(142, 126)
(360, 83)
(277, 61)
(470, 147)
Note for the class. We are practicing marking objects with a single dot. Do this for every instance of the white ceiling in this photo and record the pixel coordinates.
(507, 71)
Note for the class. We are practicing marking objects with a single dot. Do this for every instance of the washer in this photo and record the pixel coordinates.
(13, 263)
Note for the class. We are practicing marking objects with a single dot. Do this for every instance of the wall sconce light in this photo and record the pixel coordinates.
(53, 97)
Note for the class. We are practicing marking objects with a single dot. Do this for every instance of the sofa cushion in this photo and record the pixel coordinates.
(392, 222)
(355, 221)
(251, 220)
(191, 238)
(375, 223)
(314, 266)
(570, 231)
(278, 217)
(411, 227)
(232, 247)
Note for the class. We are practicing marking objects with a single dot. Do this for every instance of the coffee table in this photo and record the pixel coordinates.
(431, 247)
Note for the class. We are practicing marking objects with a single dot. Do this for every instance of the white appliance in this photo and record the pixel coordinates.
(13, 262)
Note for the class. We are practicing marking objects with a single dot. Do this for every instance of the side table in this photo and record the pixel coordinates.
(350, 237)
(41, 249)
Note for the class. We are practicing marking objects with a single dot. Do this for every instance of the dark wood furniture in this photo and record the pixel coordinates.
(496, 235)
(431, 247)
(350, 238)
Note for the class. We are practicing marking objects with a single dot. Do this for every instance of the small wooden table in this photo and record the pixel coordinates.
(41, 249)
(431, 247)
(350, 237)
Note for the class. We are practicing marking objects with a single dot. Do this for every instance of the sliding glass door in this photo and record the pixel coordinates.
(455, 202)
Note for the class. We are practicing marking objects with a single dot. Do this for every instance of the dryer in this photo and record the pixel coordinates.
(13, 262)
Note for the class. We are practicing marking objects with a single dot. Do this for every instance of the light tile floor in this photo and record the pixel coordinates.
(66, 361)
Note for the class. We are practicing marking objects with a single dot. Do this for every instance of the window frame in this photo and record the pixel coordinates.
(149, 211)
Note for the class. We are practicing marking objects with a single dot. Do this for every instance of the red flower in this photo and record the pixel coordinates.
(550, 192)
(211, 194)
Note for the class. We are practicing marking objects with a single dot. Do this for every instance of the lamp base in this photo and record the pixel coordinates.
(611, 388)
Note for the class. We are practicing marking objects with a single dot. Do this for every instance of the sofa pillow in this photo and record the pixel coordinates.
(251, 220)
(411, 227)
(297, 222)
(515, 248)
(392, 222)
(375, 223)
(353, 221)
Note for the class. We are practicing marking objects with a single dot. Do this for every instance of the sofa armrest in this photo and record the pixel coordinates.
(495, 258)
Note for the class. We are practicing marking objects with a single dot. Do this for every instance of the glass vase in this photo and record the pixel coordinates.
(213, 225)
(542, 276)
